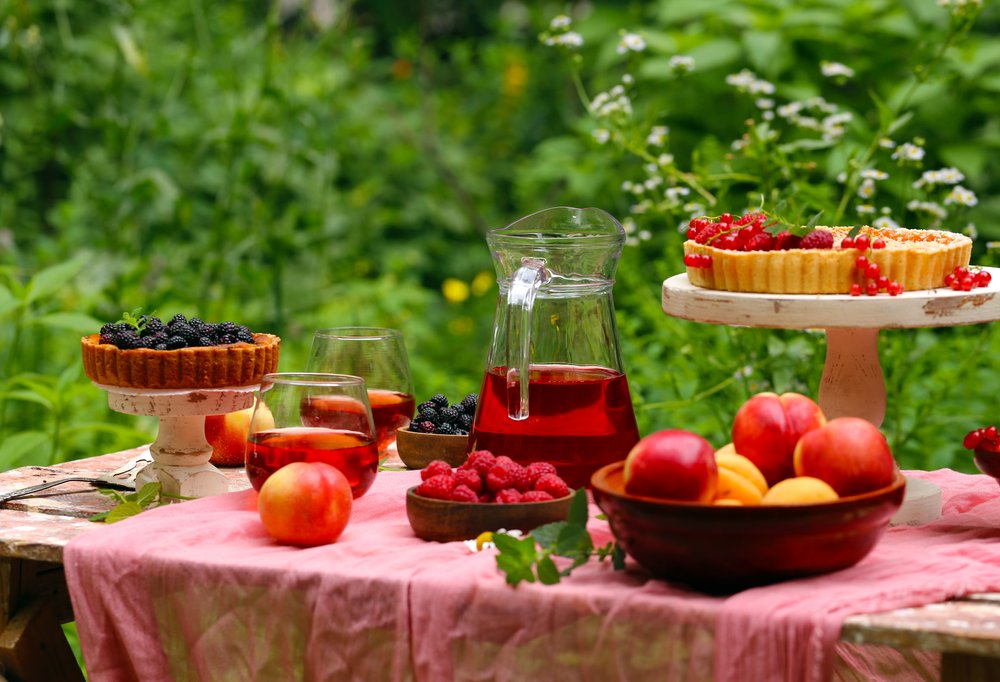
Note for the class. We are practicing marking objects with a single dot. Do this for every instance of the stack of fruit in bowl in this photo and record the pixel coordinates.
(985, 443)
(792, 495)
(485, 493)
(438, 431)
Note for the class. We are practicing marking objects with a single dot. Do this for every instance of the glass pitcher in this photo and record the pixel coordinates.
(554, 387)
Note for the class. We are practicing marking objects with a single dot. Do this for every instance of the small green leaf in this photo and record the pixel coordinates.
(578, 511)
(123, 511)
(813, 221)
(148, 494)
(547, 535)
(101, 516)
(548, 574)
(570, 539)
(854, 231)
(618, 558)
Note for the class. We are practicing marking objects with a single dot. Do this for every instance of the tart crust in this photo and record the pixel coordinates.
(917, 259)
(236, 364)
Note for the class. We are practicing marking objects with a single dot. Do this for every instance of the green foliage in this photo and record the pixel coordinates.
(129, 504)
(244, 161)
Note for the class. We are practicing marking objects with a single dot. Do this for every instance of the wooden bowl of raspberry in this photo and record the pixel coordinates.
(418, 449)
(485, 493)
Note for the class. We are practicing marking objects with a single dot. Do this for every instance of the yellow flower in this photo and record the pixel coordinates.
(455, 290)
(482, 283)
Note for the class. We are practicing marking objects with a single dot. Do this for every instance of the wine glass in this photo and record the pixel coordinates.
(379, 356)
(313, 417)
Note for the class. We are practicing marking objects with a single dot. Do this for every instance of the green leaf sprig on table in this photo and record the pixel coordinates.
(530, 558)
(129, 504)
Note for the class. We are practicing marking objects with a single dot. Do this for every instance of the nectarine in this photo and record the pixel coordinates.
(673, 465)
(305, 503)
(849, 453)
(767, 427)
(228, 433)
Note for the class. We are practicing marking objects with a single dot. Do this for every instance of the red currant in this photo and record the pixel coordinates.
(871, 289)
(949, 278)
(894, 288)
(706, 260)
(956, 284)
(861, 263)
(973, 439)
(848, 243)
(883, 282)
(961, 272)
(878, 243)
(855, 289)
(983, 278)
(872, 271)
(967, 283)
(990, 434)
(726, 218)
(861, 242)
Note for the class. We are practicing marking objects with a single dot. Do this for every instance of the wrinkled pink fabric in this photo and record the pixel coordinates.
(198, 591)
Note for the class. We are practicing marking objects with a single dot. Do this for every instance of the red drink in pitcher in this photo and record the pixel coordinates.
(353, 453)
(580, 418)
(391, 410)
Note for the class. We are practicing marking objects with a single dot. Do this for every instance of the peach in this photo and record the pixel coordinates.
(849, 453)
(727, 502)
(673, 465)
(742, 466)
(305, 504)
(767, 427)
(799, 490)
(228, 433)
(733, 486)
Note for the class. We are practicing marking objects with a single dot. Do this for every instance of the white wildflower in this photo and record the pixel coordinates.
(874, 174)
(764, 103)
(651, 168)
(571, 39)
(867, 189)
(836, 70)
(886, 143)
(645, 235)
(908, 152)
(631, 42)
(629, 225)
(641, 207)
(885, 222)
(767, 115)
(657, 136)
(992, 246)
(665, 159)
(601, 135)
(674, 194)
(885, 210)
(971, 231)
(791, 109)
(961, 196)
(747, 81)
(740, 144)
(653, 182)
(842, 177)
(627, 186)
(627, 79)
(681, 63)
(560, 22)
(638, 188)
(944, 176)
(929, 207)
(866, 209)
(743, 372)
(617, 91)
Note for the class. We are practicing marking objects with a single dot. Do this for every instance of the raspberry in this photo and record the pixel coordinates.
(761, 241)
(502, 475)
(481, 461)
(536, 496)
(437, 487)
(463, 493)
(522, 481)
(508, 496)
(785, 241)
(469, 478)
(486, 498)
(817, 239)
(435, 468)
(553, 485)
(537, 469)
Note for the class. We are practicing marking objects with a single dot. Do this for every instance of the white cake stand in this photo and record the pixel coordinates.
(852, 383)
(181, 452)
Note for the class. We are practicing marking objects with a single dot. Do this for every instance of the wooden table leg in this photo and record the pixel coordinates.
(961, 667)
(33, 602)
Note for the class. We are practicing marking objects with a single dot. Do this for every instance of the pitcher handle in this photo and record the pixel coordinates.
(520, 300)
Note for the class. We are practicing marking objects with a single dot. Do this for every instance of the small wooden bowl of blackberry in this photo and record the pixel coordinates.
(440, 430)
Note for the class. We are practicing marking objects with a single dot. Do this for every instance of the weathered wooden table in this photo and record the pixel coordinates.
(34, 600)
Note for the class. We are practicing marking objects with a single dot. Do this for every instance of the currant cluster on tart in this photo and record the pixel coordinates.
(740, 254)
(181, 354)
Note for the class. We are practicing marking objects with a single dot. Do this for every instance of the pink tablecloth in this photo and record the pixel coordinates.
(198, 591)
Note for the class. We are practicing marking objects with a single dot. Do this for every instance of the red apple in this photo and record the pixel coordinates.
(305, 503)
(674, 465)
(849, 453)
(228, 433)
(767, 427)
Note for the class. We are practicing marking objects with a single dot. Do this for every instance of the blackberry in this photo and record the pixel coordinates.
(226, 338)
(154, 325)
(196, 322)
(444, 428)
(175, 342)
(439, 399)
(465, 421)
(427, 404)
(204, 341)
(461, 432)
(428, 414)
(423, 427)
(245, 335)
(469, 403)
(184, 330)
(227, 329)
(154, 340)
(128, 340)
(449, 415)
(114, 327)
(160, 346)
(177, 319)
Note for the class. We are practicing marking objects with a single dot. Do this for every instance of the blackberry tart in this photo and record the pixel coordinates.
(145, 352)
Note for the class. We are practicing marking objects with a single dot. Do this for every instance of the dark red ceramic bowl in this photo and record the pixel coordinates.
(724, 549)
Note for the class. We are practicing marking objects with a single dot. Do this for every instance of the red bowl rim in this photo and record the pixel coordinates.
(598, 481)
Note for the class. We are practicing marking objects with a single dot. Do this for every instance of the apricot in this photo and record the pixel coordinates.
(743, 466)
(726, 449)
(800, 490)
(733, 486)
(728, 502)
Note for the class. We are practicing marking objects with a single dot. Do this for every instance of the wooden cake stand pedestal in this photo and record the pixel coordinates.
(852, 384)
(181, 452)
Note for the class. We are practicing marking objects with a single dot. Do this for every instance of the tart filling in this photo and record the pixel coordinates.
(916, 259)
(235, 364)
